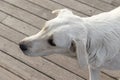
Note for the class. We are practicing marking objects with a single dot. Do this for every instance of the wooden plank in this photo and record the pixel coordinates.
(10, 33)
(74, 67)
(112, 2)
(20, 26)
(6, 75)
(79, 6)
(115, 73)
(47, 4)
(52, 5)
(116, 3)
(20, 69)
(72, 64)
(21, 14)
(35, 9)
(2, 16)
(108, 1)
(37, 62)
(98, 4)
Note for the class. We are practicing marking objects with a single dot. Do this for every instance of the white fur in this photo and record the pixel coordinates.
(97, 39)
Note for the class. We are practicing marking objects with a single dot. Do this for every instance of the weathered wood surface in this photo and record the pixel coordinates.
(21, 18)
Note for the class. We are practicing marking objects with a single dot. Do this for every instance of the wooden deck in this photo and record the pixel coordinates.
(21, 18)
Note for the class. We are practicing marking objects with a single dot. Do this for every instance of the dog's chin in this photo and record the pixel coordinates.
(27, 53)
(33, 54)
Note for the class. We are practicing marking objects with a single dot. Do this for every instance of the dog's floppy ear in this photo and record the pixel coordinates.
(78, 45)
(62, 11)
(81, 53)
(56, 11)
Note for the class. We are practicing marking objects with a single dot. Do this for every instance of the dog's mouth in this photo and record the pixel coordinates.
(45, 52)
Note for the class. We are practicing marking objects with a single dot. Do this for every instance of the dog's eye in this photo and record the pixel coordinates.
(51, 42)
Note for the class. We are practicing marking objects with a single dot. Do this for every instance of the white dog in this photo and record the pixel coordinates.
(95, 41)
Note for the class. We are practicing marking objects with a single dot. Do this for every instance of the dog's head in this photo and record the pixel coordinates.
(64, 34)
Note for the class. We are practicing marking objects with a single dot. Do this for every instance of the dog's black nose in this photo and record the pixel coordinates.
(23, 47)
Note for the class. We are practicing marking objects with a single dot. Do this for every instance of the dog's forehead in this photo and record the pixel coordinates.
(49, 27)
(53, 27)
(54, 23)
(59, 22)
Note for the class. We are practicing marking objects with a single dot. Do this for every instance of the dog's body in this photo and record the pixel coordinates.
(95, 41)
(104, 38)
